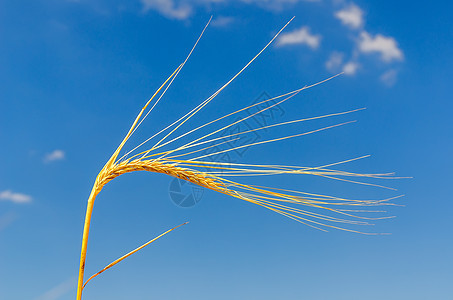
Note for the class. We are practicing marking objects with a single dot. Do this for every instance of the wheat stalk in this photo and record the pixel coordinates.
(187, 162)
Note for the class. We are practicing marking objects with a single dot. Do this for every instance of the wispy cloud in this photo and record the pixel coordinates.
(351, 16)
(222, 21)
(350, 68)
(54, 156)
(383, 45)
(19, 198)
(300, 36)
(389, 77)
(334, 62)
(59, 290)
(169, 8)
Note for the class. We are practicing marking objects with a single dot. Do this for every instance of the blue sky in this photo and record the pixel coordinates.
(73, 75)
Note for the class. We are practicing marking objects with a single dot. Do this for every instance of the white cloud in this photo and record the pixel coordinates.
(300, 36)
(385, 46)
(351, 16)
(335, 64)
(335, 61)
(14, 197)
(54, 155)
(389, 78)
(222, 21)
(169, 8)
(350, 68)
(59, 290)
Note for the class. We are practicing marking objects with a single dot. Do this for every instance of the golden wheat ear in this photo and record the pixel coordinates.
(189, 162)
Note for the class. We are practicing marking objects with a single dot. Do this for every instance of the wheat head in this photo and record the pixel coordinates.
(188, 162)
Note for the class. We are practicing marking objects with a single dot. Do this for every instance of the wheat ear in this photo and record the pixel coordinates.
(186, 163)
